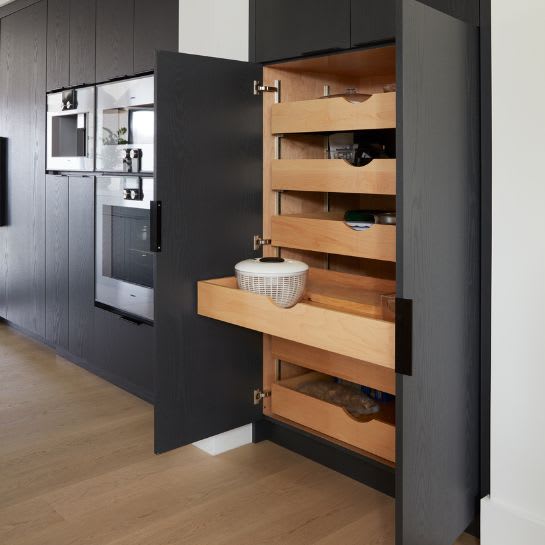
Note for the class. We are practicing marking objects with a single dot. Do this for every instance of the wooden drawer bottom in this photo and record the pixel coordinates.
(376, 436)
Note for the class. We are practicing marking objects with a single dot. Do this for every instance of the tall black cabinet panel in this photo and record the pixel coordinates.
(81, 265)
(82, 41)
(438, 206)
(206, 370)
(58, 44)
(372, 21)
(286, 29)
(22, 89)
(114, 39)
(56, 259)
(154, 30)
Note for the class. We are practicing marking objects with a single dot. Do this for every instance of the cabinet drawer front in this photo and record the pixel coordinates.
(334, 114)
(334, 175)
(374, 436)
(345, 333)
(319, 233)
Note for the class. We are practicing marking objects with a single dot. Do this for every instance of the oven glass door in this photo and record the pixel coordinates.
(125, 126)
(124, 263)
(71, 130)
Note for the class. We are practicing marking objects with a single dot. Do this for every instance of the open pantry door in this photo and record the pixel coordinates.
(209, 183)
(438, 269)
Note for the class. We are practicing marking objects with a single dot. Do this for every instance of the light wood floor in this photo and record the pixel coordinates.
(77, 468)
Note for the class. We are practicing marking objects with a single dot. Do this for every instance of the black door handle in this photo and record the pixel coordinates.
(3, 181)
(404, 336)
(321, 51)
(155, 226)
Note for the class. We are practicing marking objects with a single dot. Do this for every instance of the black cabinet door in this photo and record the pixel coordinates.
(209, 179)
(22, 90)
(81, 266)
(56, 259)
(438, 268)
(292, 28)
(82, 41)
(58, 44)
(124, 353)
(155, 29)
(114, 39)
(372, 21)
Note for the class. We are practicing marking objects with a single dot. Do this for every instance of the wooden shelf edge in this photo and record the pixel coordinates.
(334, 176)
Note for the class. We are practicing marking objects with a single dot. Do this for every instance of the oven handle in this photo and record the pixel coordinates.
(155, 221)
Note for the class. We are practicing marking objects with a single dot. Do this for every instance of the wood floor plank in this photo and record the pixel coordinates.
(77, 468)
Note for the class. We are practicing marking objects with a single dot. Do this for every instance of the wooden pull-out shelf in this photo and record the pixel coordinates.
(335, 176)
(376, 436)
(344, 319)
(326, 232)
(334, 114)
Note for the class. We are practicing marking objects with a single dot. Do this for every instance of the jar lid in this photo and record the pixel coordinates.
(271, 266)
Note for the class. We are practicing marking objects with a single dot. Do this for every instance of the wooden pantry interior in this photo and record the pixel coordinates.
(252, 177)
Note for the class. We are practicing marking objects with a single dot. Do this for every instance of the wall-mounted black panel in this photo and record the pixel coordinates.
(58, 44)
(81, 265)
(56, 259)
(22, 95)
(114, 39)
(155, 29)
(287, 28)
(372, 21)
(82, 42)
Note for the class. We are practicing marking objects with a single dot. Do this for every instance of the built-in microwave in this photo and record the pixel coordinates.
(71, 130)
(124, 256)
(126, 126)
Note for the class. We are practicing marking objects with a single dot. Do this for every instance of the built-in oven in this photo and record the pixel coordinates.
(71, 130)
(124, 257)
(125, 126)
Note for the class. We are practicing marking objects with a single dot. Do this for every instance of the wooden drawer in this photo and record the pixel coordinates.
(327, 232)
(335, 176)
(325, 319)
(376, 436)
(334, 114)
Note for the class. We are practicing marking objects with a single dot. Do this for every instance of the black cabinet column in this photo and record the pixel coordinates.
(58, 44)
(82, 42)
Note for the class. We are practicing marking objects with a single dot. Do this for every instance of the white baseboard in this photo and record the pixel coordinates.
(503, 525)
(226, 441)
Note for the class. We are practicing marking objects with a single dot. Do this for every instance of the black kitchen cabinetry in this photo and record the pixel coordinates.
(22, 104)
(372, 21)
(128, 32)
(114, 39)
(81, 266)
(82, 42)
(56, 259)
(155, 28)
(124, 353)
(58, 43)
(286, 29)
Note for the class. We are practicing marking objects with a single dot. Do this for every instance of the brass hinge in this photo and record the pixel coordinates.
(260, 395)
(259, 88)
(259, 242)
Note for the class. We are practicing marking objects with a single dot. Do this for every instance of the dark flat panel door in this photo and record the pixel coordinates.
(22, 88)
(439, 270)
(372, 21)
(82, 41)
(114, 39)
(56, 259)
(81, 266)
(209, 179)
(124, 353)
(58, 44)
(155, 29)
(288, 28)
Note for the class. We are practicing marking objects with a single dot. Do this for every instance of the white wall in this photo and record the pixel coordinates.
(515, 512)
(215, 28)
